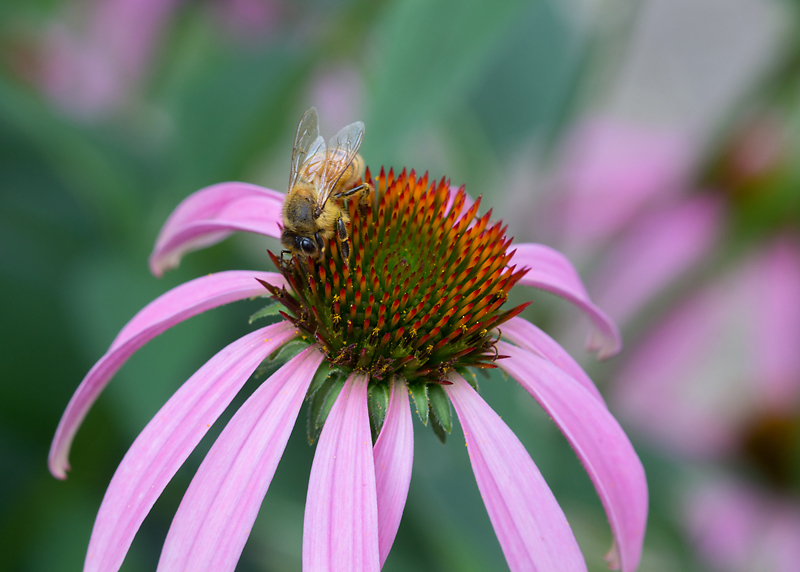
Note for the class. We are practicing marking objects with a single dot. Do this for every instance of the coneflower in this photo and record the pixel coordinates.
(421, 303)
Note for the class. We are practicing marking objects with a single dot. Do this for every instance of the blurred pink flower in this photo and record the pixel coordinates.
(608, 171)
(338, 92)
(93, 71)
(655, 251)
(719, 369)
(356, 491)
(719, 380)
(250, 19)
(623, 204)
(97, 66)
(723, 356)
(739, 528)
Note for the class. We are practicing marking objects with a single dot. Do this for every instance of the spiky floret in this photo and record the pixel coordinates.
(423, 292)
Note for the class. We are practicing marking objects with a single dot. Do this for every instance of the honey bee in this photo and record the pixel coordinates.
(320, 179)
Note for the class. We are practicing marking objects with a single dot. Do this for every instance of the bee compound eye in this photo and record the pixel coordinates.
(307, 245)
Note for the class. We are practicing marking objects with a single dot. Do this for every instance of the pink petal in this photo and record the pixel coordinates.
(338, 93)
(599, 441)
(340, 531)
(168, 440)
(723, 520)
(214, 520)
(736, 527)
(394, 457)
(776, 336)
(551, 271)
(178, 304)
(780, 545)
(210, 215)
(524, 334)
(660, 247)
(451, 199)
(526, 517)
(728, 350)
(95, 67)
(672, 387)
(611, 170)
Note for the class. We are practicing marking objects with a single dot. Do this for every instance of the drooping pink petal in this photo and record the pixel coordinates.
(340, 530)
(178, 304)
(220, 506)
(658, 249)
(210, 215)
(394, 457)
(166, 442)
(524, 334)
(599, 442)
(551, 271)
(530, 525)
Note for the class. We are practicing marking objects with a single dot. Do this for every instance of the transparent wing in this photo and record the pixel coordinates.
(314, 161)
(306, 139)
(341, 151)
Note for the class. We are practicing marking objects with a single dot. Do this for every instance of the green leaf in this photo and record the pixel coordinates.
(321, 404)
(419, 392)
(378, 403)
(468, 374)
(324, 372)
(440, 407)
(273, 308)
(287, 351)
(438, 430)
(279, 357)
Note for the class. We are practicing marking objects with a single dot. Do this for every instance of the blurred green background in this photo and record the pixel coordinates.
(480, 92)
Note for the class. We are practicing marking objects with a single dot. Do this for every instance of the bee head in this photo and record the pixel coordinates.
(301, 244)
(306, 245)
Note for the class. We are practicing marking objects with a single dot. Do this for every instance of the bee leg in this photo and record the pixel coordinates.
(320, 242)
(365, 199)
(344, 240)
(351, 192)
(364, 191)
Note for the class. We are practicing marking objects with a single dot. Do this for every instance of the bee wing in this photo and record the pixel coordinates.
(341, 151)
(307, 142)
(314, 160)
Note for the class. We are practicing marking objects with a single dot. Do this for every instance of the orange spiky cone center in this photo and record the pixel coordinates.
(424, 289)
